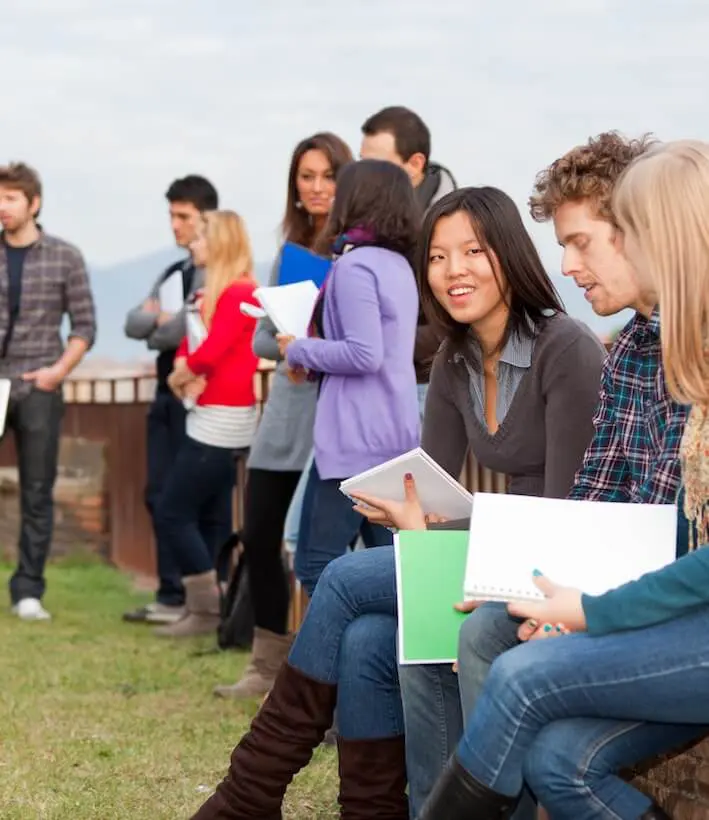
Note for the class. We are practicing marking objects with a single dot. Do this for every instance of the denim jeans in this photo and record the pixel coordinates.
(164, 439)
(422, 390)
(327, 528)
(36, 422)
(535, 692)
(433, 695)
(348, 637)
(295, 511)
(434, 725)
(194, 514)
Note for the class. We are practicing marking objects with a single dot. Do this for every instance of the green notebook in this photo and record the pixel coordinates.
(430, 567)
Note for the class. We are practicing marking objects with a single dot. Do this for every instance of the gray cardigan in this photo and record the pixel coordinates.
(284, 437)
(540, 443)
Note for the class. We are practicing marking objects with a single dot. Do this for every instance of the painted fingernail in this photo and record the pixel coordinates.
(408, 476)
(547, 627)
(532, 623)
(536, 573)
(558, 628)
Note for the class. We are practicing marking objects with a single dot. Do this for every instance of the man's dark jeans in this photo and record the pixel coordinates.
(165, 437)
(36, 422)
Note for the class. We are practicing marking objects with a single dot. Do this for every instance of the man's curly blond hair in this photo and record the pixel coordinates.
(588, 171)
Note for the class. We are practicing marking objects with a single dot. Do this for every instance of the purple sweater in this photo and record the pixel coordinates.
(367, 410)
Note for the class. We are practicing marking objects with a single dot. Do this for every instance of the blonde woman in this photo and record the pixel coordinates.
(634, 675)
(215, 375)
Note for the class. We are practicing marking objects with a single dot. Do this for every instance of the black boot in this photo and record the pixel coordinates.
(655, 813)
(457, 795)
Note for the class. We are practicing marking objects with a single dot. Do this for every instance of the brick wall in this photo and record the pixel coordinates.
(678, 782)
(81, 518)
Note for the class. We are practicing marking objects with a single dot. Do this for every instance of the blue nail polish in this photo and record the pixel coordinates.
(547, 627)
(536, 573)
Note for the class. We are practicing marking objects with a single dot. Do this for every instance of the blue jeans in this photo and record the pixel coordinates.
(295, 510)
(433, 696)
(327, 528)
(348, 637)
(194, 513)
(636, 690)
(421, 390)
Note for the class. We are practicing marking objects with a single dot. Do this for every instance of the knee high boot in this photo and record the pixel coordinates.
(290, 724)
(373, 779)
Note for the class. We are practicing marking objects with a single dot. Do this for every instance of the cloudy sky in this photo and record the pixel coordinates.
(112, 100)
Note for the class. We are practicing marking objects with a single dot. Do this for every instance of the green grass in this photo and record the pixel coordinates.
(101, 720)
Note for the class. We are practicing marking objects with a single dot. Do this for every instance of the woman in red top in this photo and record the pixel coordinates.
(214, 376)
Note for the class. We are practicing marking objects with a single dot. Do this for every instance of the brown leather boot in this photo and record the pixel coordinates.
(267, 656)
(373, 779)
(290, 724)
(201, 608)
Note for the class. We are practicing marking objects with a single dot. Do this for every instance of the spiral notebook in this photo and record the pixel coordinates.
(591, 545)
(438, 492)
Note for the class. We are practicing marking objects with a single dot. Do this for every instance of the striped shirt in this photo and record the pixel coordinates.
(634, 453)
(220, 426)
(515, 360)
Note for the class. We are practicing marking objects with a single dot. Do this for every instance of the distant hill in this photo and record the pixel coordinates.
(120, 287)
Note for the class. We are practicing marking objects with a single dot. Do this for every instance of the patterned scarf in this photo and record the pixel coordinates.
(694, 454)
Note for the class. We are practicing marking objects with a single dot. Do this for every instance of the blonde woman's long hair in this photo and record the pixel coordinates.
(662, 203)
(229, 257)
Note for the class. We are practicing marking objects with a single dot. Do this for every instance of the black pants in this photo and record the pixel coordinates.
(195, 511)
(36, 422)
(268, 496)
(165, 437)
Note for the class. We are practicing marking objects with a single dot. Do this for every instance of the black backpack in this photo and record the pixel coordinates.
(236, 622)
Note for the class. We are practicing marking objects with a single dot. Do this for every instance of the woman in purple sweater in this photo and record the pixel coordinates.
(361, 349)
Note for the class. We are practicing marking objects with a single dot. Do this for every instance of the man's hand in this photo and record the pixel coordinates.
(47, 379)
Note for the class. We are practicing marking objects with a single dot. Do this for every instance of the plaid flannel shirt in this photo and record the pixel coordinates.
(54, 282)
(634, 453)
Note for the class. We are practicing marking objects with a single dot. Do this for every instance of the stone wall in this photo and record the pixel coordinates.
(678, 782)
(81, 511)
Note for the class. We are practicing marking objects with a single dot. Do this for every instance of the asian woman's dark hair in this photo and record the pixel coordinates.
(297, 226)
(379, 197)
(500, 231)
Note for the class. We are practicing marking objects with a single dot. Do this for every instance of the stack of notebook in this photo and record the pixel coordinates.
(591, 545)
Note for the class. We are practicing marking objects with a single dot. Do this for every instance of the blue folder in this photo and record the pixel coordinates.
(298, 264)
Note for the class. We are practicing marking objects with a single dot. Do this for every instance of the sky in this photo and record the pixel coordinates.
(111, 101)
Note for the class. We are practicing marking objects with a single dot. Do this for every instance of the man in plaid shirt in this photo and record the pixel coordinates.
(633, 456)
(41, 279)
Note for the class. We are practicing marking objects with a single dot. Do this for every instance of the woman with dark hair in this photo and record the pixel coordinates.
(512, 369)
(284, 437)
(361, 351)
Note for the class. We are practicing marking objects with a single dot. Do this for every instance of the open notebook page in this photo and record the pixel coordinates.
(437, 491)
(591, 545)
(289, 307)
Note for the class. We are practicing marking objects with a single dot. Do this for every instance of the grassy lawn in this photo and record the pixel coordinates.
(101, 720)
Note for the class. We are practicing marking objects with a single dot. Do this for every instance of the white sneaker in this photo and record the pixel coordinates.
(31, 609)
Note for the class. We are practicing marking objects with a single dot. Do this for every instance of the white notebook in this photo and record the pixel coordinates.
(437, 491)
(171, 294)
(289, 307)
(4, 402)
(592, 545)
